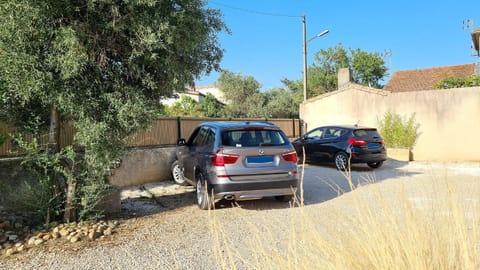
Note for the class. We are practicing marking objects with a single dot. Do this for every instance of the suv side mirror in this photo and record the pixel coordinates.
(181, 142)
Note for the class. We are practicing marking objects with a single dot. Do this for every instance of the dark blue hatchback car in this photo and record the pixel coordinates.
(342, 145)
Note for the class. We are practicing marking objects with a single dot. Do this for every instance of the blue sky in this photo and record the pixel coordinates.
(419, 34)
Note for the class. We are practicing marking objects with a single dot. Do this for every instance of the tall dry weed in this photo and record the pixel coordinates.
(434, 227)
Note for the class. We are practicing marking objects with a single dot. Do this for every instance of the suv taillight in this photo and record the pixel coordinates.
(356, 142)
(220, 159)
(290, 157)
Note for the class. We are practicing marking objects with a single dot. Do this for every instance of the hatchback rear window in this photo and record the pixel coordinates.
(366, 133)
(252, 137)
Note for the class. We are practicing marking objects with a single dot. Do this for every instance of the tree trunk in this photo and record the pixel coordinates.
(53, 134)
(70, 187)
(70, 209)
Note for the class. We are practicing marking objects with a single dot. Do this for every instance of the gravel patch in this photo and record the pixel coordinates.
(161, 227)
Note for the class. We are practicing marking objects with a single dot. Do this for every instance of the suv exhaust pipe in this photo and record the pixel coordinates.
(229, 197)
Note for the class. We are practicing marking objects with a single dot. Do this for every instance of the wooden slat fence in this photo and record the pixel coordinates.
(164, 131)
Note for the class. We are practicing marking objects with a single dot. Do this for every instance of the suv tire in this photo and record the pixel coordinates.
(204, 197)
(177, 174)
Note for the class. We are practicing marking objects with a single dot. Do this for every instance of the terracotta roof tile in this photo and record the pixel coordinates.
(425, 79)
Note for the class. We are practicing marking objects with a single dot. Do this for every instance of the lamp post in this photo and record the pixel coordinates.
(304, 21)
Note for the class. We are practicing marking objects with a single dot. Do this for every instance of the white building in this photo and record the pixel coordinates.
(196, 93)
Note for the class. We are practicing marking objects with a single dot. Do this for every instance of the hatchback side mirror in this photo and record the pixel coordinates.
(181, 142)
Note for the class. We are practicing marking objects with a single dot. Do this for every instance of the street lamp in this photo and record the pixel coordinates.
(304, 20)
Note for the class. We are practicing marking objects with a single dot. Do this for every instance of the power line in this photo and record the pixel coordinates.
(254, 11)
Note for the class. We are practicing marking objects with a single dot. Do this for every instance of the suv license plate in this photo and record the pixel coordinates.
(260, 159)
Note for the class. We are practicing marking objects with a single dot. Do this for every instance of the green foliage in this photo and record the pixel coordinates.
(237, 87)
(366, 68)
(473, 81)
(243, 94)
(397, 131)
(211, 107)
(104, 65)
(44, 195)
(187, 106)
(281, 103)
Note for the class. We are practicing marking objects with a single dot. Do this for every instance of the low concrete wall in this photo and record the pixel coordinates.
(142, 166)
(400, 154)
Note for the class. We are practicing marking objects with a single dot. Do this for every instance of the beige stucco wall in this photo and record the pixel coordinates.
(449, 119)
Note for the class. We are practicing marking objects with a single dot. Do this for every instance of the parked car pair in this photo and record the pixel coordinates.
(237, 161)
(343, 145)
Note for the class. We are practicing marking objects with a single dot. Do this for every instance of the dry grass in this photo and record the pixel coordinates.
(431, 228)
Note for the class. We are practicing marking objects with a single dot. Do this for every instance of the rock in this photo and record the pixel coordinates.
(47, 237)
(92, 235)
(3, 239)
(64, 232)
(21, 248)
(108, 231)
(55, 235)
(31, 241)
(12, 237)
(75, 239)
(38, 242)
(10, 251)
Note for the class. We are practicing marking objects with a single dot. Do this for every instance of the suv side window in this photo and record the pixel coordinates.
(193, 136)
(199, 139)
(209, 141)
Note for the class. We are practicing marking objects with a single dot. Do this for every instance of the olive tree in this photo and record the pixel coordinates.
(102, 64)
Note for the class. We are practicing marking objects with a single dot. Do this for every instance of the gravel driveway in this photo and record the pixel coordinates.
(170, 232)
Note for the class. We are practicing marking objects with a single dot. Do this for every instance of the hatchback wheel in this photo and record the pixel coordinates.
(177, 174)
(375, 165)
(204, 198)
(341, 161)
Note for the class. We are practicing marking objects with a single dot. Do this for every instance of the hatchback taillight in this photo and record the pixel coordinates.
(290, 157)
(356, 142)
(221, 159)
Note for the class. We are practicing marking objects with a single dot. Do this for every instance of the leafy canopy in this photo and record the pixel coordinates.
(366, 69)
(103, 64)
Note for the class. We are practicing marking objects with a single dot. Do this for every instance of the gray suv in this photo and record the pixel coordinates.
(237, 161)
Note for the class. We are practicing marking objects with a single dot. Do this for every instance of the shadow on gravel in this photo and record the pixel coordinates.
(323, 182)
(261, 204)
(148, 205)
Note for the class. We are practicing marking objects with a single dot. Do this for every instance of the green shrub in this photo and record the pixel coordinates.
(41, 193)
(397, 131)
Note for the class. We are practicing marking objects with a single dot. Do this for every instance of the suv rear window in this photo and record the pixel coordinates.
(366, 133)
(249, 137)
